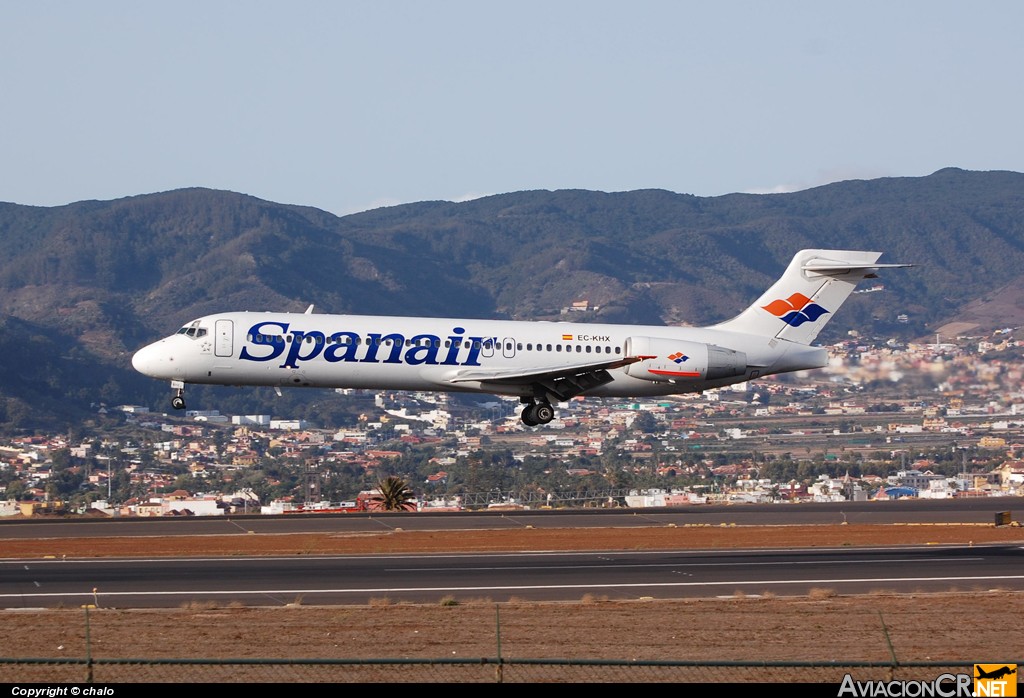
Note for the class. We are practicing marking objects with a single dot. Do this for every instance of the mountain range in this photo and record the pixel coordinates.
(84, 285)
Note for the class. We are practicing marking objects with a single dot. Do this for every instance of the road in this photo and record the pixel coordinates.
(965, 510)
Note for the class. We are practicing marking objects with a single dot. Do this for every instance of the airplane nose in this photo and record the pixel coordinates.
(142, 359)
(149, 360)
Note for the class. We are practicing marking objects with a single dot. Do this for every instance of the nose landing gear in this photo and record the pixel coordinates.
(178, 401)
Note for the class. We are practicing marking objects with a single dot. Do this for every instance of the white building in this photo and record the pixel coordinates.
(251, 420)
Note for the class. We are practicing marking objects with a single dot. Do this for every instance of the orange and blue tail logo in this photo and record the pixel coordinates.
(795, 310)
(679, 357)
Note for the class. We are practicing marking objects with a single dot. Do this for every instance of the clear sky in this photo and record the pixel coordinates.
(347, 105)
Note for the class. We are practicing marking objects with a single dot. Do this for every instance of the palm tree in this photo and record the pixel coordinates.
(394, 494)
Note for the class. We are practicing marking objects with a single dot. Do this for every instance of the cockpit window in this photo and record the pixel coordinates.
(194, 330)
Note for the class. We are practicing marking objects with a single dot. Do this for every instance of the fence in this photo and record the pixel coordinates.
(484, 670)
(90, 669)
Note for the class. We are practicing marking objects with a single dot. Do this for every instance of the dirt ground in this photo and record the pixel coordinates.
(958, 625)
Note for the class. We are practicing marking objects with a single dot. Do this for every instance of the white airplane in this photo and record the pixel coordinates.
(542, 363)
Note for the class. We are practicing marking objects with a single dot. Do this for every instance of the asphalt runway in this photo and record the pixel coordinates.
(359, 579)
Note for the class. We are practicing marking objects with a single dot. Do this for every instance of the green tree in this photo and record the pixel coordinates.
(394, 494)
(646, 423)
(16, 490)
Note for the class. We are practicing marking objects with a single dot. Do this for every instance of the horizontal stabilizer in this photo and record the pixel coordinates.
(826, 267)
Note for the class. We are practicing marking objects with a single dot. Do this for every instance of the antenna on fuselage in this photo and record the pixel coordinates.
(309, 310)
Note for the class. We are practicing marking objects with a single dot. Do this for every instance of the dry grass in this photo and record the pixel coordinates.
(819, 594)
(817, 627)
(741, 627)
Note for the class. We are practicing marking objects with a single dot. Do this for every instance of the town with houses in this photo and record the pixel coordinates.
(883, 421)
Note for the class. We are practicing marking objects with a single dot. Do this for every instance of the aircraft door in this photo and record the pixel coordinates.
(508, 347)
(224, 339)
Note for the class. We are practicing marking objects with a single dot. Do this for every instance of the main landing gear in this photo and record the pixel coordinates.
(178, 401)
(537, 412)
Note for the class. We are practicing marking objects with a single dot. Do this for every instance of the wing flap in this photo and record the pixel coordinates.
(523, 376)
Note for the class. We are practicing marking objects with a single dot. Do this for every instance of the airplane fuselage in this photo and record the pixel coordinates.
(404, 353)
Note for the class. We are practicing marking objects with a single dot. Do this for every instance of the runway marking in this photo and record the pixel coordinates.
(416, 570)
(538, 587)
(645, 566)
(239, 526)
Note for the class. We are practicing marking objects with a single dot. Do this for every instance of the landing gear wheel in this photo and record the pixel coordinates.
(178, 402)
(537, 413)
(543, 412)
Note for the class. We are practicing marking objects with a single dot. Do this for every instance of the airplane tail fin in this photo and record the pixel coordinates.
(814, 285)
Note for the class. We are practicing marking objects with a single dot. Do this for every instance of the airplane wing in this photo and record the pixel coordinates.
(565, 382)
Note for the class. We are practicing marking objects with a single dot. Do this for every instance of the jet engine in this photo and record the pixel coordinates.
(677, 361)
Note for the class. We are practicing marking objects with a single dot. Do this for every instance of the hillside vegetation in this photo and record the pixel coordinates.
(86, 284)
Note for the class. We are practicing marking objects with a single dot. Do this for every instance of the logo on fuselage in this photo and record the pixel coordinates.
(795, 310)
(271, 340)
